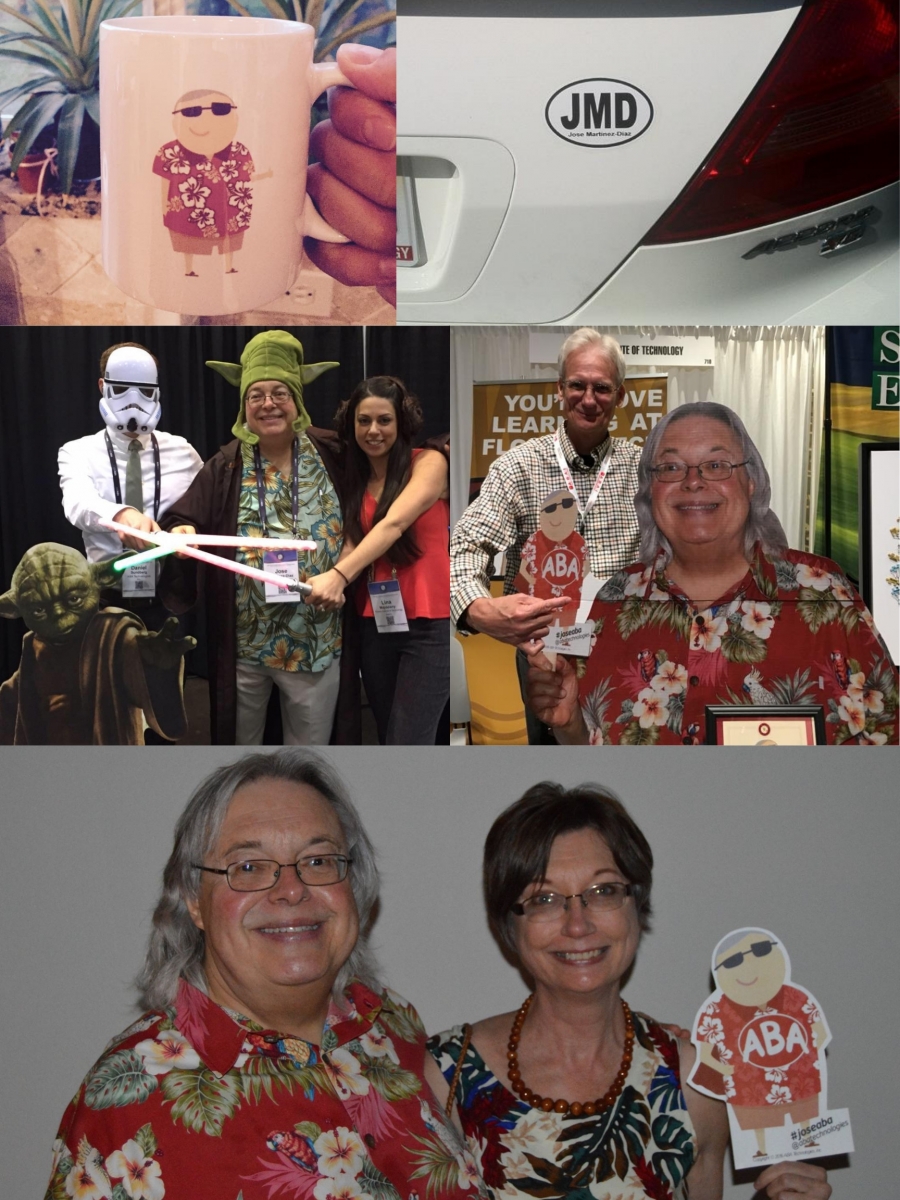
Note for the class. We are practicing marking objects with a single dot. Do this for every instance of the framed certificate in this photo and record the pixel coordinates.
(765, 725)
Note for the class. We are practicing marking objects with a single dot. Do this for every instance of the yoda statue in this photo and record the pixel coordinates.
(87, 676)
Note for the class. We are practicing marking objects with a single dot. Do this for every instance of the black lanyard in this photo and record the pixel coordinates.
(157, 472)
(261, 488)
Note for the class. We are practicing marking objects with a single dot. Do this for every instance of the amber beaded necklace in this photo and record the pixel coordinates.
(563, 1106)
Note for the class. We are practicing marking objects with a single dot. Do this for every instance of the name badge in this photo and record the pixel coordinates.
(284, 565)
(139, 580)
(387, 605)
(570, 639)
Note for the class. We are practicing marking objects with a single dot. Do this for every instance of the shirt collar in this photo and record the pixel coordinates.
(218, 1036)
(121, 441)
(570, 454)
(760, 568)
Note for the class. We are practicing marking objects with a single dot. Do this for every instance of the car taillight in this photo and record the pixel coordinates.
(820, 128)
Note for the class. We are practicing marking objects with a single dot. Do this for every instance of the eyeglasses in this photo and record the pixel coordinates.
(578, 387)
(551, 508)
(544, 906)
(280, 396)
(218, 109)
(758, 950)
(715, 470)
(260, 874)
(119, 389)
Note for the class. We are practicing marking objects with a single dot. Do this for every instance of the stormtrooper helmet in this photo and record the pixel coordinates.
(130, 391)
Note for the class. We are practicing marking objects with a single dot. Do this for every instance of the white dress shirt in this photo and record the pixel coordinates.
(88, 493)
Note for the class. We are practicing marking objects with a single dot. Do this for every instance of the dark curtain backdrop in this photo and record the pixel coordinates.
(49, 395)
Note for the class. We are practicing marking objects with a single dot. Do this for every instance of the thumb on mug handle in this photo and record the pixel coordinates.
(312, 223)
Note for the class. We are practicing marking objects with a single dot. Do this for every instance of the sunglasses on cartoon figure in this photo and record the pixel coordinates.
(218, 109)
(758, 950)
(551, 508)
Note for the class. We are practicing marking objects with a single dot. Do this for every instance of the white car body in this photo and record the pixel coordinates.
(517, 224)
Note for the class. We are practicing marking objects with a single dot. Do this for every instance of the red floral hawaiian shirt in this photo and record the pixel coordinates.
(208, 198)
(772, 1050)
(195, 1103)
(792, 631)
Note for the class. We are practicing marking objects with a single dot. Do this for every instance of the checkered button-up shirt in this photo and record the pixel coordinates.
(506, 514)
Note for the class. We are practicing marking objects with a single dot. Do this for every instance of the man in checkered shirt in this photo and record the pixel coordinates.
(591, 387)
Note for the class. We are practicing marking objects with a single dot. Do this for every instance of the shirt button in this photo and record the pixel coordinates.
(687, 741)
(694, 680)
(370, 1141)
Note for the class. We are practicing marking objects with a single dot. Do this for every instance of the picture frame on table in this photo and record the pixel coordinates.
(765, 725)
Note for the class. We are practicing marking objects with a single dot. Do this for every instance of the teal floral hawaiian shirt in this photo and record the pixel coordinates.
(196, 1103)
(292, 636)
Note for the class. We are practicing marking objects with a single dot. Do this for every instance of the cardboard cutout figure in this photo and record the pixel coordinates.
(760, 1047)
(207, 174)
(554, 563)
(87, 676)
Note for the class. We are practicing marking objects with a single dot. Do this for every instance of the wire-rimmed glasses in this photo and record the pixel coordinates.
(715, 470)
(544, 906)
(260, 874)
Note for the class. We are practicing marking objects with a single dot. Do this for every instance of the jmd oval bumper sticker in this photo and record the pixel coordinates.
(599, 112)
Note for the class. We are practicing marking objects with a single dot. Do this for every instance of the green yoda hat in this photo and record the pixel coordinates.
(271, 355)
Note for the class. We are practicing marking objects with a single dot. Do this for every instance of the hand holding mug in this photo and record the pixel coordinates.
(354, 180)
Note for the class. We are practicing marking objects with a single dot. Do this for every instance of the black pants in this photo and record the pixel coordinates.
(407, 679)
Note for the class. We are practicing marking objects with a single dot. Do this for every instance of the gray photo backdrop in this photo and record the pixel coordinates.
(802, 842)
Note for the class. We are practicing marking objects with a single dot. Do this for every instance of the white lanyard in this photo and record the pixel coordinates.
(570, 482)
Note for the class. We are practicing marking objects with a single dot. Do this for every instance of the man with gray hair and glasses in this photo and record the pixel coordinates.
(598, 471)
(270, 1057)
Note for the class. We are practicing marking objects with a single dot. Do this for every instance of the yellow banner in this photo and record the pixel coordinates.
(511, 412)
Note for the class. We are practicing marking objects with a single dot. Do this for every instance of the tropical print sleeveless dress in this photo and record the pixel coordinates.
(643, 1146)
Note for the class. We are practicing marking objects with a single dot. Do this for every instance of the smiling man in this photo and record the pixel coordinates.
(599, 472)
(269, 1059)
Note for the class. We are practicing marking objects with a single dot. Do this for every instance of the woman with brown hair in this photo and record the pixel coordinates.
(396, 518)
(575, 1094)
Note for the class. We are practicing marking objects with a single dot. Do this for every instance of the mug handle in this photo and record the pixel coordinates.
(312, 223)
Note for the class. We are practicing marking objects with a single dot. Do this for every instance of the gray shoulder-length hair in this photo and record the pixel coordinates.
(584, 337)
(762, 524)
(177, 946)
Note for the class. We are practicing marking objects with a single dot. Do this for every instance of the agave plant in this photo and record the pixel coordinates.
(333, 27)
(63, 46)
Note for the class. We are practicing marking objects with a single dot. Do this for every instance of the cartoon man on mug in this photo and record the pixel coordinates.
(207, 197)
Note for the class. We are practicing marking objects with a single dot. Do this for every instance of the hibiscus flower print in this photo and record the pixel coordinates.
(87, 1179)
(341, 1187)
(228, 170)
(141, 1176)
(168, 1051)
(346, 1075)
(757, 618)
(377, 1044)
(650, 708)
(707, 632)
(175, 162)
(284, 655)
(870, 698)
(340, 1151)
(193, 193)
(853, 713)
(637, 584)
(205, 219)
(811, 575)
(330, 532)
(670, 679)
(240, 194)
(778, 1095)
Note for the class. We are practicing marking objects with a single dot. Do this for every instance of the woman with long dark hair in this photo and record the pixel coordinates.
(396, 518)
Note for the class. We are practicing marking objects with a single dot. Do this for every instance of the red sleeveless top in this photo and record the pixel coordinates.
(424, 586)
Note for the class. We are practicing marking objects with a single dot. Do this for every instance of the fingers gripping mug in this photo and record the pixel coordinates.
(204, 135)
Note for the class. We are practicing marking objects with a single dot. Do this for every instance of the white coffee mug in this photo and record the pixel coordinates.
(204, 135)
